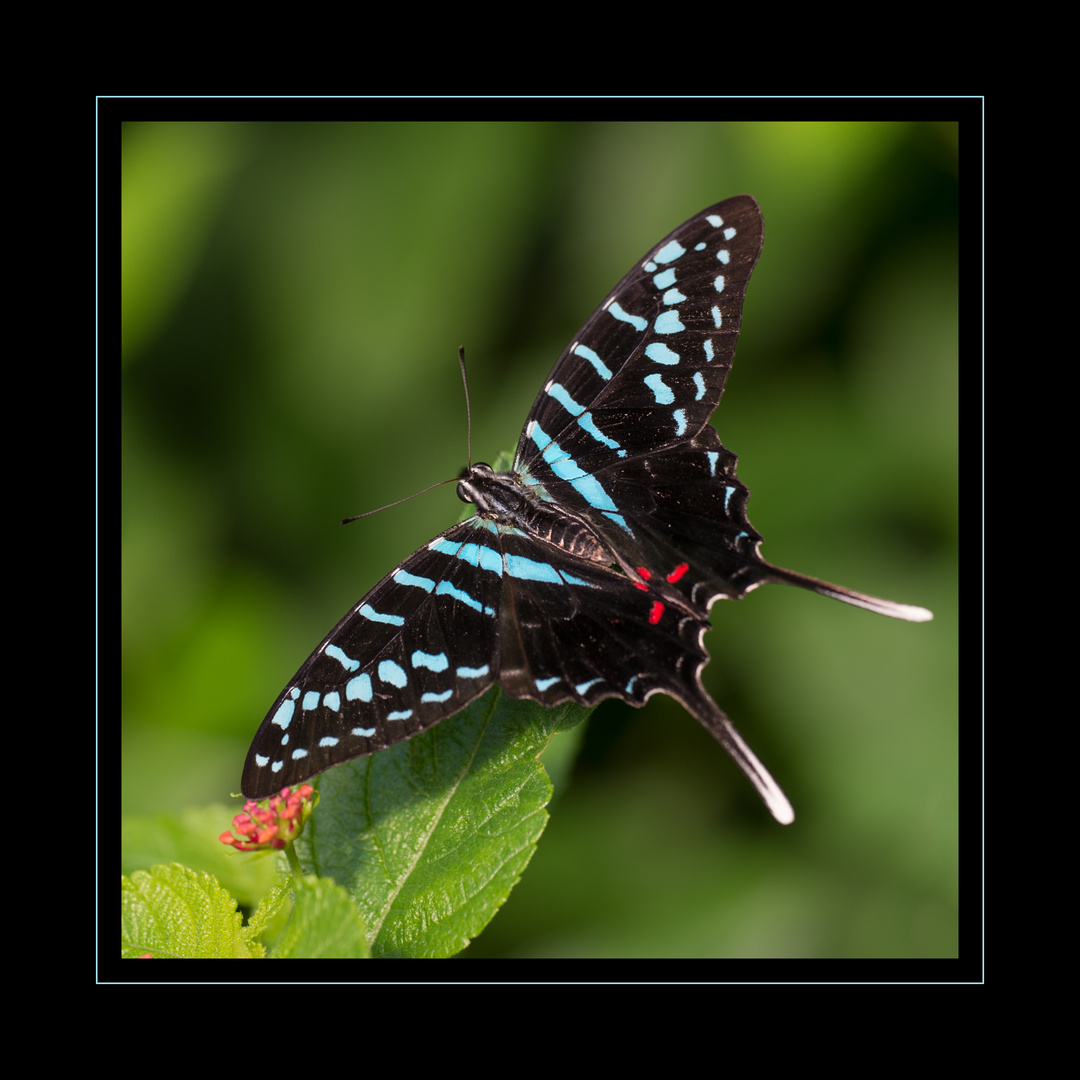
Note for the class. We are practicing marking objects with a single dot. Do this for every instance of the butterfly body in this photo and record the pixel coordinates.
(589, 567)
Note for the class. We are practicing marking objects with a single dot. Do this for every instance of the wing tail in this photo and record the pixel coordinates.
(715, 721)
(909, 612)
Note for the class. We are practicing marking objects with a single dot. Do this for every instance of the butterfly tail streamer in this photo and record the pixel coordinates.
(715, 721)
(908, 612)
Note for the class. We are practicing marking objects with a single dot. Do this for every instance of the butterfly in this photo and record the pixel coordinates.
(589, 567)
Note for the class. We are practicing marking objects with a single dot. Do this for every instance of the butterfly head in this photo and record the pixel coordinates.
(472, 481)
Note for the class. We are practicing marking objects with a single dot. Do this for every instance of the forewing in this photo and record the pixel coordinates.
(415, 650)
(647, 369)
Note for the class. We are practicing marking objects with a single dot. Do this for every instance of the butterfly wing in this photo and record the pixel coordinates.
(648, 368)
(575, 629)
(619, 434)
(415, 650)
(619, 431)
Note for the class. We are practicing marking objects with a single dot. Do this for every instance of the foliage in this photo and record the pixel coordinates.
(410, 854)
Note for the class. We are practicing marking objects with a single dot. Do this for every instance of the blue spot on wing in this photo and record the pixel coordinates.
(671, 251)
(661, 354)
(586, 423)
(530, 570)
(393, 674)
(377, 616)
(588, 354)
(559, 393)
(444, 588)
(283, 716)
(403, 577)
(636, 321)
(661, 391)
(472, 672)
(491, 560)
(359, 689)
(667, 322)
(444, 546)
(347, 662)
(445, 696)
(431, 661)
(570, 579)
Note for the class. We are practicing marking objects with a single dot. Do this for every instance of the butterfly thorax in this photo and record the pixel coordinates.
(504, 500)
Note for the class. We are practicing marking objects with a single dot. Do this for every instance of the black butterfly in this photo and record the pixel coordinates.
(588, 570)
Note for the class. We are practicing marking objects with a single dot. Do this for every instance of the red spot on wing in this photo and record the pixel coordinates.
(678, 572)
(656, 612)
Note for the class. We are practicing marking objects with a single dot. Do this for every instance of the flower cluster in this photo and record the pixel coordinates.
(273, 823)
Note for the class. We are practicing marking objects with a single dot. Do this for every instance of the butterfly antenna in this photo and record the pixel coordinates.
(453, 479)
(398, 502)
(468, 410)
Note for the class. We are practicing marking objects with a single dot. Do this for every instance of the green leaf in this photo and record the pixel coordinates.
(415, 849)
(191, 838)
(324, 924)
(173, 911)
(429, 837)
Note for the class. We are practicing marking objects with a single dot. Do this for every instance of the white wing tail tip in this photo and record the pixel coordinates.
(769, 790)
(771, 795)
(779, 806)
(913, 614)
(891, 608)
(908, 612)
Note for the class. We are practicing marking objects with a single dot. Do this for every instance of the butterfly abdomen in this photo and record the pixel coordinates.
(506, 503)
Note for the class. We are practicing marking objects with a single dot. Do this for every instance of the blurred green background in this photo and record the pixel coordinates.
(294, 295)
